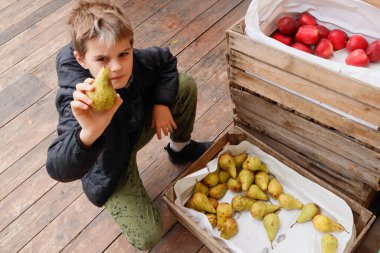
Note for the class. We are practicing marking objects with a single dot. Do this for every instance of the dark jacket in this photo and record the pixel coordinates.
(155, 81)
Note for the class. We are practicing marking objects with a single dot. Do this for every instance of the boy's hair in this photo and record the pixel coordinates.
(98, 19)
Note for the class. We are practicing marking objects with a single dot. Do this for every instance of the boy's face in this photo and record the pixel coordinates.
(118, 58)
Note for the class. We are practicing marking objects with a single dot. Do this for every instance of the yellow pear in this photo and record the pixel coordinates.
(234, 185)
(218, 191)
(212, 219)
(104, 95)
(329, 243)
(326, 225)
(271, 224)
(229, 228)
(226, 163)
(223, 176)
(308, 212)
(214, 202)
(201, 203)
(223, 212)
(264, 168)
(246, 178)
(259, 209)
(200, 187)
(239, 159)
(289, 202)
(252, 163)
(262, 180)
(274, 188)
(254, 192)
(211, 179)
(241, 203)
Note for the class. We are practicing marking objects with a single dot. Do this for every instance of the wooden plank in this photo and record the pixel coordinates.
(24, 196)
(23, 23)
(24, 168)
(315, 92)
(353, 88)
(9, 8)
(26, 131)
(204, 249)
(31, 222)
(5, 4)
(200, 25)
(20, 95)
(358, 191)
(178, 238)
(168, 21)
(199, 48)
(64, 228)
(325, 116)
(247, 106)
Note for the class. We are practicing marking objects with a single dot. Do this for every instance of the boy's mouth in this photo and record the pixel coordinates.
(116, 77)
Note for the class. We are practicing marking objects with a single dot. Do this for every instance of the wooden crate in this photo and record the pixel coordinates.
(363, 218)
(339, 143)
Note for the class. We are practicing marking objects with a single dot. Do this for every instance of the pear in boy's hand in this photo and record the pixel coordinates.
(104, 95)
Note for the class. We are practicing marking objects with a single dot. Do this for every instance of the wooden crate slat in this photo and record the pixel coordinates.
(247, 106)
(325, 116)
(350, 87)
(305, 87)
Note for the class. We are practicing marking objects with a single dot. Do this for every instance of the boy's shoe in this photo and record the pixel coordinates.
(190, 152)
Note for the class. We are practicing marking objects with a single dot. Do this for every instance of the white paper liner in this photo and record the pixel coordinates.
(252, 236)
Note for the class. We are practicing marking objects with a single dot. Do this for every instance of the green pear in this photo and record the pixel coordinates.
(200, 187)
(259, 209)
(104, 95)
(234, 185)
(326, 225)
(271, 224)
(223, 176)
(218, 191)
(329, 243)
(223, 212)
(211, 179)
(239, 159)
(289, 202)
(246, 178)
(262, 180)
(274, 188)
(226, 163)
(240, 203)
(254, 192)
(252, 163)
(308, 212)
(212, 219)
(201, 203)
(229, 228)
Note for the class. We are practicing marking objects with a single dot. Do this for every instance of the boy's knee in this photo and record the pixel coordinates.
(187, 85)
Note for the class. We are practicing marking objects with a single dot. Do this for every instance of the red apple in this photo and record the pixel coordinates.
(338, 38)
(302, 47)
(287, 25)
(357, 58)
(373, 51)
(323, 32)
(307, 34)
(324, 48)
(306, 19)
(356, 42)
(287, 40)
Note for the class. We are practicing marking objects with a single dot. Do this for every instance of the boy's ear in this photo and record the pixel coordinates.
(80, 60)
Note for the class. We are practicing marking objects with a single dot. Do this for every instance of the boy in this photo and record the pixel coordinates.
(99, 147)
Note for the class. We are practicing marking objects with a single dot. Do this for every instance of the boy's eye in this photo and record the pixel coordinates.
(101, 59)
(124, 54)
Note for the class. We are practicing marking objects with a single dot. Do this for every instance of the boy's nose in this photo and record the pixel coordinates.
(114, 66)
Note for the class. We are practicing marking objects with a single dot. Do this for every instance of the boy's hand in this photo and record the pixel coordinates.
(162, 120)
(93, 122)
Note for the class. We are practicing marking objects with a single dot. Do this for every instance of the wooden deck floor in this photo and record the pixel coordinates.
(38, 214)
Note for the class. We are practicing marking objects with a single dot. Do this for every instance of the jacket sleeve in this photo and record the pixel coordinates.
(165, 64)
(67, 158)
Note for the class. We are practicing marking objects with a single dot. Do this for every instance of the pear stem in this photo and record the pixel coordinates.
(271, 244)
(293, 224)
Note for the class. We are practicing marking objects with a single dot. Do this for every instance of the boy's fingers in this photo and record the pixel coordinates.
(78, 105)
(79, 96)
(83, 87)
(158, 131)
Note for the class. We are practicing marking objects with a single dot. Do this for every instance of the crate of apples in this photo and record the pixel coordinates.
(305, 34)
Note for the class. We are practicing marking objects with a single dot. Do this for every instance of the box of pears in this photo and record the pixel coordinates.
(246, 200)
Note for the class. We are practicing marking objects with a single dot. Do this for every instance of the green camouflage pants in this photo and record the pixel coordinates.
(130, 205)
